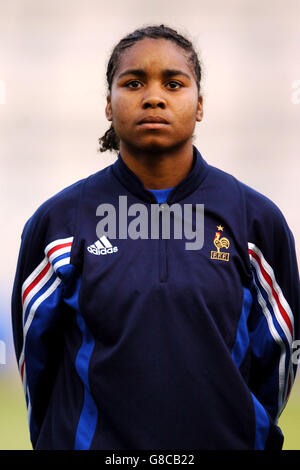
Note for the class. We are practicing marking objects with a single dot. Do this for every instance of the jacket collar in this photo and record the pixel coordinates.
(187, 186)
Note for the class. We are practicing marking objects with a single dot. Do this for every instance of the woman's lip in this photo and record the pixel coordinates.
(153, 125)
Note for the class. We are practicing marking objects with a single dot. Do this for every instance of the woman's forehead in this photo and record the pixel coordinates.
(152, 55)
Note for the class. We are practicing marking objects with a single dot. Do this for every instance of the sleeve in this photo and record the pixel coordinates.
(38, 314)
(274, 317)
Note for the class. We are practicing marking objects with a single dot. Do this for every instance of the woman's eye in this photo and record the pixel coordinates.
(133, 84)
(174, 85)
(136, 84)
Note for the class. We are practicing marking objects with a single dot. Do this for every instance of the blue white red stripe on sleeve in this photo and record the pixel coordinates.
(279, 318)
(38, 287)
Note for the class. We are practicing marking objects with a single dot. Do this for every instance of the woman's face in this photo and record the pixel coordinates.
(153, 81)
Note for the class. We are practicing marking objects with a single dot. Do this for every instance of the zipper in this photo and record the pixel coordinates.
(163, 262)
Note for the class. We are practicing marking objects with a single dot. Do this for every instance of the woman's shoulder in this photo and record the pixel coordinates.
(64, 203)
(260, 205)
(253, 200)
(60, 203)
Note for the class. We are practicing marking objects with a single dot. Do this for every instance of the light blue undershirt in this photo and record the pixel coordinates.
(161, 194)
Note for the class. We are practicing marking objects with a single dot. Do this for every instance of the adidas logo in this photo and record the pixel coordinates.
(102, 247)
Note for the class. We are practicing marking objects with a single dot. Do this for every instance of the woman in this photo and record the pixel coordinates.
(129, 337)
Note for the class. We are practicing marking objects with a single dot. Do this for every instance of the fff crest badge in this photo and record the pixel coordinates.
(220, 243)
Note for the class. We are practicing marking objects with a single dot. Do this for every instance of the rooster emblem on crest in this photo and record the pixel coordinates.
(221, 242)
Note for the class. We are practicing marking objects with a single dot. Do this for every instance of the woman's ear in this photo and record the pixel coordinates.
(108, 110)
(199, 114)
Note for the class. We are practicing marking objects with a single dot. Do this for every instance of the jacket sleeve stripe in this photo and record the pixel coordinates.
(34, 275)
(38, 286)
(266, 275)
(36, 281)
(32, 311)
(61, 248)
(56, 243)
(52, 251)
(61, 261)
(278, 315)
(279, 341)
(35, 286)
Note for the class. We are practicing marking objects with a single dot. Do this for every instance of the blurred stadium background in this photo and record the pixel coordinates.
(52, 96)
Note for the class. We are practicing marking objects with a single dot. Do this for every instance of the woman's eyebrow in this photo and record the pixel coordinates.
(166, 73)
(138, 72)
(172, 72)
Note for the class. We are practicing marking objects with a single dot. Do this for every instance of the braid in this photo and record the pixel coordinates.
(110, 140)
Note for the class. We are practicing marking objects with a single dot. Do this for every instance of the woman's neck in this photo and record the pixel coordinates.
(159, 170)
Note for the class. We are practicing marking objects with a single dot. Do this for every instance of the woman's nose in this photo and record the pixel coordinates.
(153, 99)
(153, 103)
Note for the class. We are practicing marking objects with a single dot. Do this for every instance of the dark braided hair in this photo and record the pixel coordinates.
(110, 140)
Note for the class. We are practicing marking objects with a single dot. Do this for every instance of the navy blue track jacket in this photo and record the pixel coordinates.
(143, 344)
